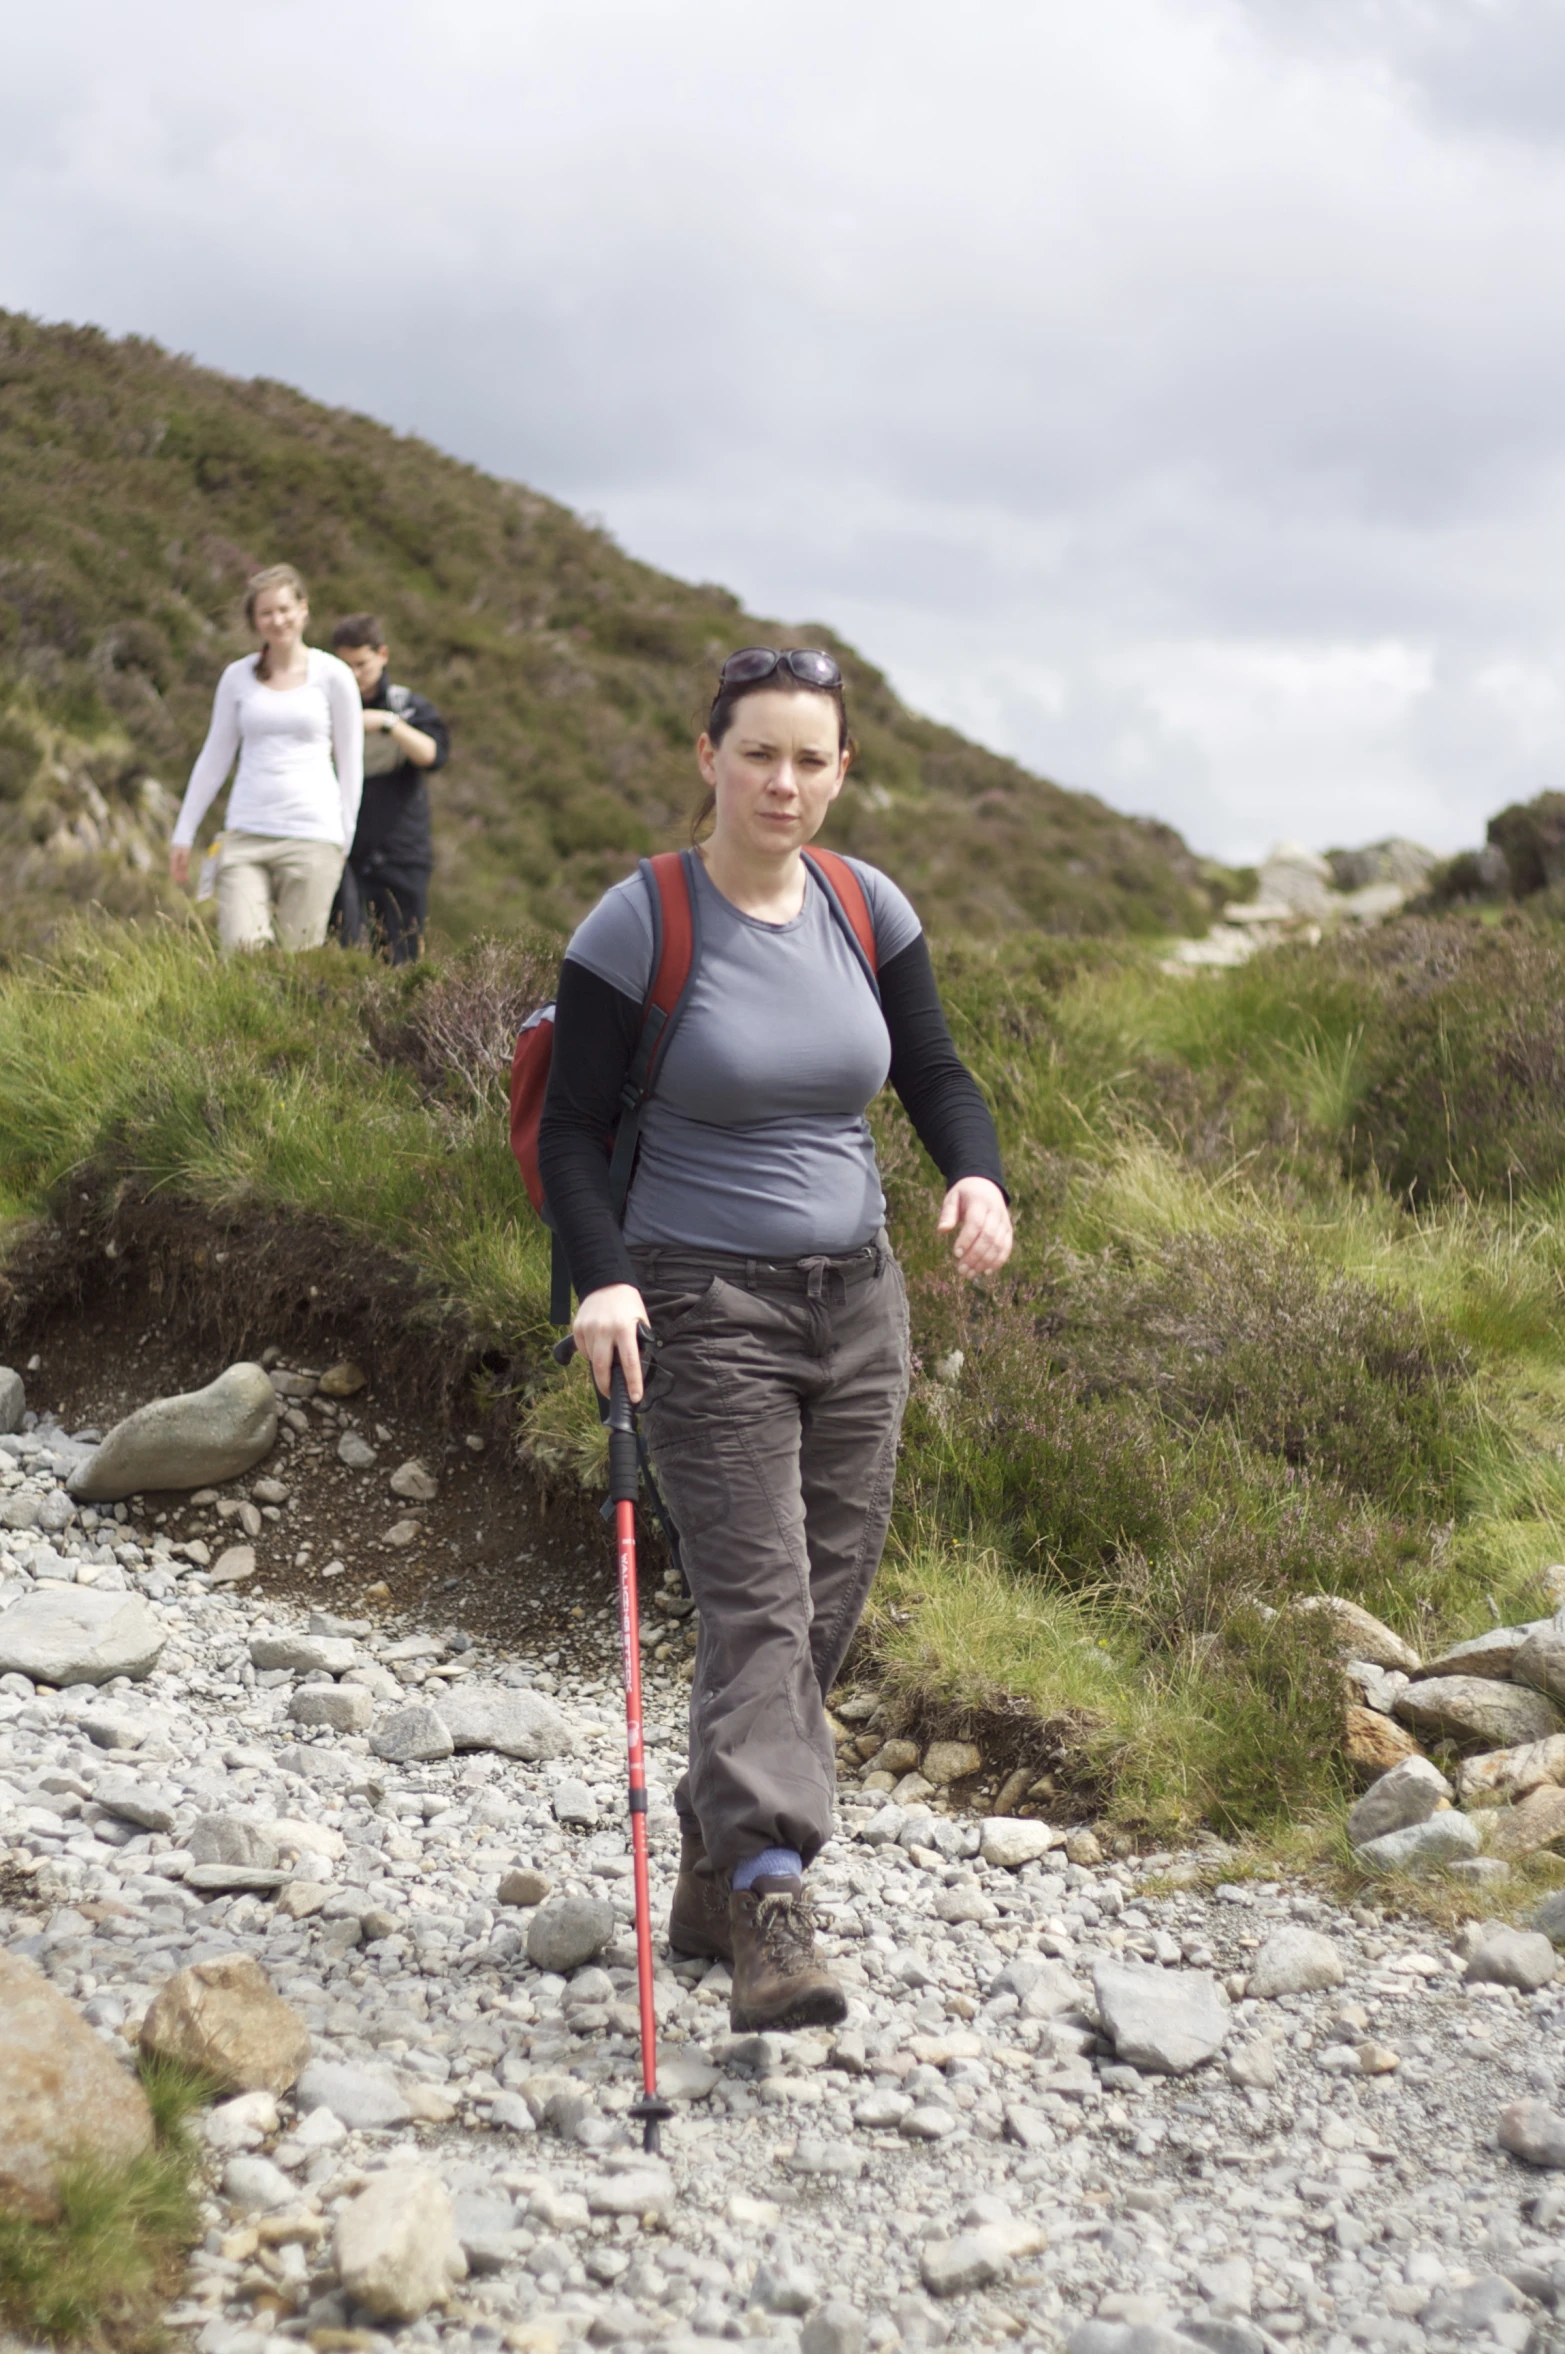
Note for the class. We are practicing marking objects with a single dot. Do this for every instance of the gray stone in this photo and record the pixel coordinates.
(255, 2185)
(573, 1802)
(782, 2285)
(343, 1708)
(1550, 1917)
(1008, 1841)
(13, 1399)
(1534, 2132)
(355, 1452)
(834, 2328)
(61, 2092)
(361, 2097)
(1541, 1660)
(928, 2121)
(1253, 2064)
(1360, 1635)
(1477, 1708)
(234, 1879)
(1029, 2127)
(568, 1931)
(414, 1483)
(79, 1635)
(1409, 1793)
(233, 1565)
(186, 1442)
(1478, 1871)
(1492, 1654)
(131, 1801)
(528, 1725)
(112, 1727)
(523, 1886)
(20, 1508)
(952, 2268)
(1514, 1957)
(1140, 2337)
(304, 1655)
(1295, 1961)
(396, 2246)
(1422, 1847)
(835, 2160)
(229, 1839)
(1166, 2020)
(645, 2189)
(411, 1736)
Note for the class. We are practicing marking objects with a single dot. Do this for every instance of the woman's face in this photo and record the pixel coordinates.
(280, 616)
(776, 772)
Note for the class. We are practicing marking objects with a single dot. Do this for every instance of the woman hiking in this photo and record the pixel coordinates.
(293, 716)
(754, 1247)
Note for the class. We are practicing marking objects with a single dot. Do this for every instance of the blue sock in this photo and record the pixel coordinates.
(777, 1863)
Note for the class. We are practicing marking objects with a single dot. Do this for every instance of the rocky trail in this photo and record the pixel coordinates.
(352, 1839)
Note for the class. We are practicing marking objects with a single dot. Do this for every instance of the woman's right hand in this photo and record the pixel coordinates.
(179, 865)
(605, 1328)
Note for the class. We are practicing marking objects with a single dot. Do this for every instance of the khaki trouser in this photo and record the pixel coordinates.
(275, 886)
(773, 1411)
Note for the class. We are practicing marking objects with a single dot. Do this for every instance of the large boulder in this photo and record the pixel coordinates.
(13, 1400)
(78, 1635)
(1493, 1654)
(1478, 1708)
(223, 2019)
(1511, 1773)
(193, 1441)
(1373, 1743)
(1536, 1821)
(396, 2244)
(522, 1724)
(1541, 1660)
(1359, 1634)
(1410, 1793)
(63, 2095)
(1422, 1847)
(1165, 2020)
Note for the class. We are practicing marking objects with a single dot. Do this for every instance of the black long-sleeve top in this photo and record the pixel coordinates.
(597, 1028)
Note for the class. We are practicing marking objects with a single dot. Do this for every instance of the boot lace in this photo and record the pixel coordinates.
(785, 1924)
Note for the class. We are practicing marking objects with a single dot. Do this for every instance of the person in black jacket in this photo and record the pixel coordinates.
(754, 1246)
(387, 875)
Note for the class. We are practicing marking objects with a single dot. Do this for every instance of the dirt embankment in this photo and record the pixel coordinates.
(121, 1299)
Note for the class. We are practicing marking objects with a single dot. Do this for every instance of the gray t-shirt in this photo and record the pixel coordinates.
(754, 1138)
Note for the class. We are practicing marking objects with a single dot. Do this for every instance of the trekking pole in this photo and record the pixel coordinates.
(624, 1479)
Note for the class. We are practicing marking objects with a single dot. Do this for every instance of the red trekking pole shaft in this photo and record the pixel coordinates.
(630, 1638)
(624, 1483)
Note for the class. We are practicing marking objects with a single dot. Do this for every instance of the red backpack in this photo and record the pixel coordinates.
(676, 952)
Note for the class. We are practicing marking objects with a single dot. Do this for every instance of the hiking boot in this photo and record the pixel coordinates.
(698, 1918)
(778, 1981)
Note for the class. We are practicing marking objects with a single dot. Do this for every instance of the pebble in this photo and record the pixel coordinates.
(568, 1931)
(1295, 1961)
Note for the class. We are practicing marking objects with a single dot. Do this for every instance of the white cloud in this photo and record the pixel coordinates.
(1172, 391)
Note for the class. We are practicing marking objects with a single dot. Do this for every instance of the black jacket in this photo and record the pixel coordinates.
(393, 829)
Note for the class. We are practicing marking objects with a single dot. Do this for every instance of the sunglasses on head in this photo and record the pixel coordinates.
(809, 665)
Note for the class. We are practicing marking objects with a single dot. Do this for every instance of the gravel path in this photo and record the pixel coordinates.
(966, 2163)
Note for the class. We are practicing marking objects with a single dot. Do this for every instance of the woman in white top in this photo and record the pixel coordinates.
(293, 716)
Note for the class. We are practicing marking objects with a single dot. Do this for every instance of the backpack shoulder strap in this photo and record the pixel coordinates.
(676, 951)
(846, 898)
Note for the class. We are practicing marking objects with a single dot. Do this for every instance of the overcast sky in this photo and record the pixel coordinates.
(1170, 392)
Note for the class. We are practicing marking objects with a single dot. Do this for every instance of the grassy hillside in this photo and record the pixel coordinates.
(1284, 1318)
(138, 491)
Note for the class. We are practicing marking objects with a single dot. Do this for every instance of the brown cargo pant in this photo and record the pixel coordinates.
(772, 1417)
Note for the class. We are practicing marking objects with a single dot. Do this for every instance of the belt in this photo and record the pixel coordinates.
(667, 1262)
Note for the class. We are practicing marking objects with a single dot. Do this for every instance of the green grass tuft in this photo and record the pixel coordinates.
(101, 2272)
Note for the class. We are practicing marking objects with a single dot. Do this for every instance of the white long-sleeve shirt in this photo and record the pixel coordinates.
(301, 755)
